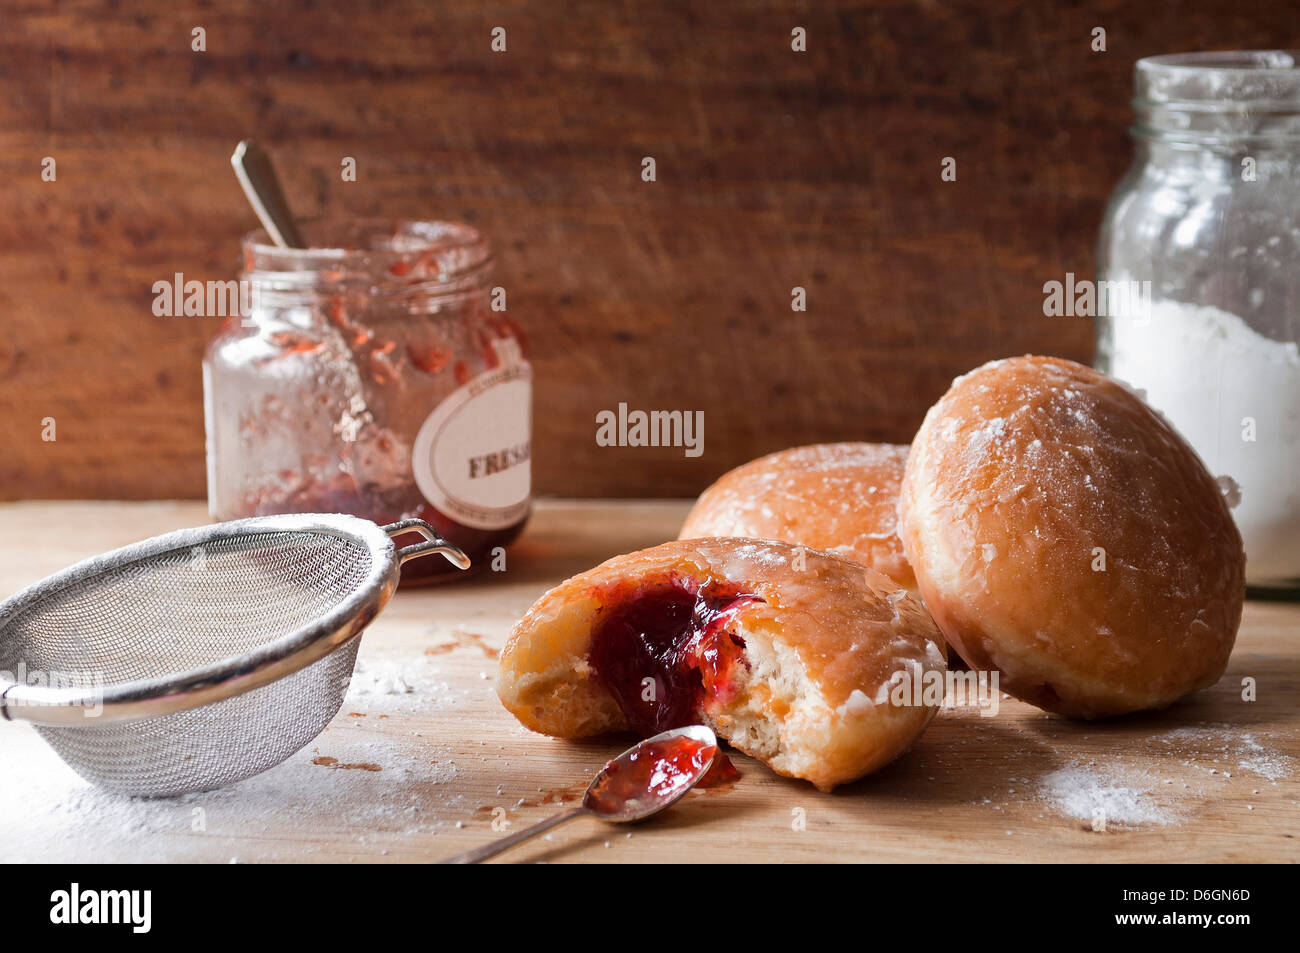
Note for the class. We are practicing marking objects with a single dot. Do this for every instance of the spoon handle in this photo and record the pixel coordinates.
(257, 177)
(505, 843)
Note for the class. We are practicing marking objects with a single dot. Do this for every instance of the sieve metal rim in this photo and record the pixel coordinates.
(289, 653)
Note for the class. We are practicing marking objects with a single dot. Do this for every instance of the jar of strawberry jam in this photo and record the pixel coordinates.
(373, 373)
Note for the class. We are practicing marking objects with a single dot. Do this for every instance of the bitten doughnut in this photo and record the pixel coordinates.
(1065, 535)
(840, 497)
(787, 653)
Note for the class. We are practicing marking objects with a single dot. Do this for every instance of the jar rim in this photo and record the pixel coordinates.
(1224, 100)
(1253, 62)
(1223, 80)
(368, 244)
(407, 263)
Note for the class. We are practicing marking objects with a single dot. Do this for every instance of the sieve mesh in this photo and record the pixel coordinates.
(213, 745)
(182, 609)
(187, 607)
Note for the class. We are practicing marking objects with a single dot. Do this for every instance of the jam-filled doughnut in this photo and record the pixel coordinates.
(1064, 534)
(787, 653)
(840, 497)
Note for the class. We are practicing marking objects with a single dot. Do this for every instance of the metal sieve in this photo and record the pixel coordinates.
(201, 657)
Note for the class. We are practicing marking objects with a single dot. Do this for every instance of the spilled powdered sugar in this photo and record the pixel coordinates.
(1126, 795)
(1111, 795)
(1232, 747)
(397, 686)
(365, 777)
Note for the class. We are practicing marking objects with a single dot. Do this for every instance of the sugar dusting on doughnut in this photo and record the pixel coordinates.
(838, 497)
(1063, 533)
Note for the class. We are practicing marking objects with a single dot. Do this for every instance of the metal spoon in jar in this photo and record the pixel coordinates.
(639, 783)
(257, 176)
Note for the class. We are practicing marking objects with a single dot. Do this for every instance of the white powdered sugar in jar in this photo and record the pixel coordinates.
(1235, 395)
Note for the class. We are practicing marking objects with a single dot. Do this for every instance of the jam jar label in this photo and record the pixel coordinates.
(472, 455)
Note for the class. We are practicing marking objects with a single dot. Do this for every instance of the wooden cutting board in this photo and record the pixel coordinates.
(423, 762)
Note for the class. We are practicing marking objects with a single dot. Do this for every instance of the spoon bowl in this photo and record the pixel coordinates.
(651, 776)
(644, 780)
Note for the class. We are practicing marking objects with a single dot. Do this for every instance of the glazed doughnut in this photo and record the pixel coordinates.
(1065, 535)
(789, 654)
(840, 497)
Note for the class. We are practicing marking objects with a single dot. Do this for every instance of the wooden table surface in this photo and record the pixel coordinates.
(423, 762)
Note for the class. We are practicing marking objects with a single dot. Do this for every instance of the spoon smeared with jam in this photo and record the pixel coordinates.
(642, 781)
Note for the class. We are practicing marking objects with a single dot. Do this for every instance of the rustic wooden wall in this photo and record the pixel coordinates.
(775, 169)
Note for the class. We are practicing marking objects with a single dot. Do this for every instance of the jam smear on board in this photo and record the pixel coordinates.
(722, 774)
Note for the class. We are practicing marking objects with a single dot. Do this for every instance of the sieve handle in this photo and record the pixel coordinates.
(434, 543)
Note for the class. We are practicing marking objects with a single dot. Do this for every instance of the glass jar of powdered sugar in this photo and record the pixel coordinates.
(1199, 261)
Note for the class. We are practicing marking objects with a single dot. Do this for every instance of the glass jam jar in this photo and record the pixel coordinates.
(1199, 261)
(371, 375)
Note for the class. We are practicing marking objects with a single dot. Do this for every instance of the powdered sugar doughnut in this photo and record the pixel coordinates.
(791, 655)
(1064, 534)
(839, 497)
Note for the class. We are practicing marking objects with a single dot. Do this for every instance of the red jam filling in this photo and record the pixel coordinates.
(660, 769)
(663, 651)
